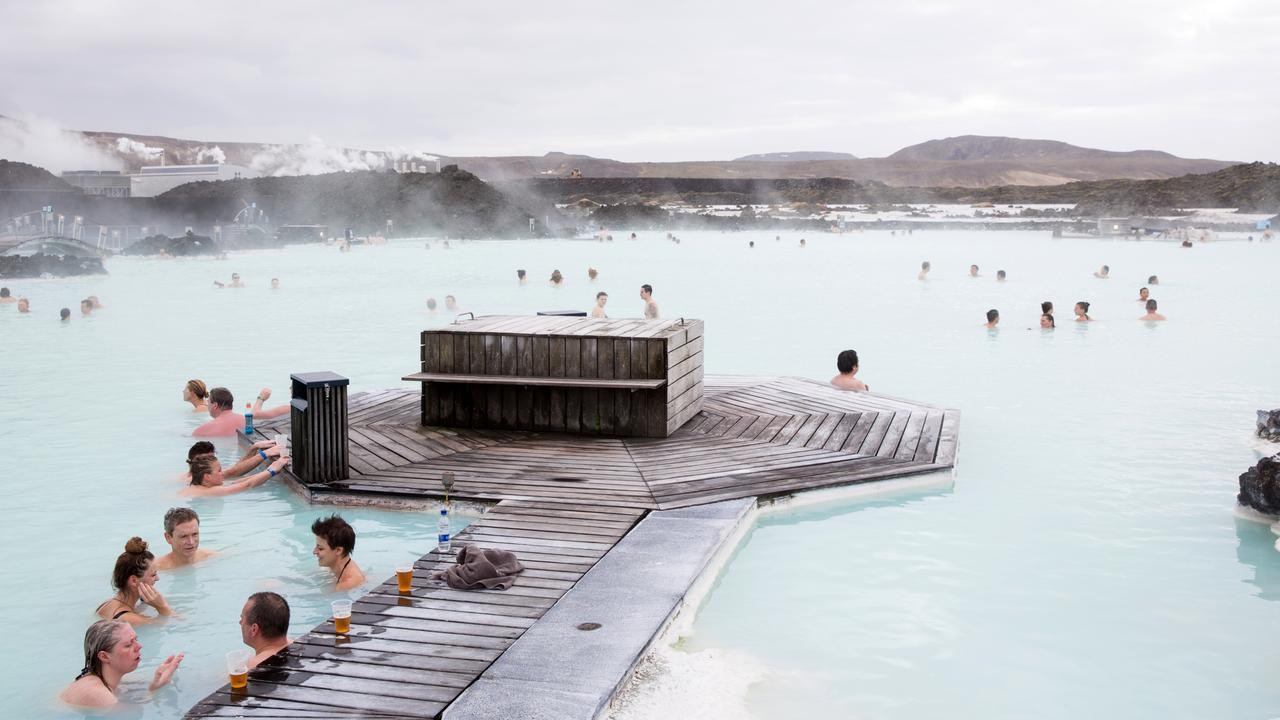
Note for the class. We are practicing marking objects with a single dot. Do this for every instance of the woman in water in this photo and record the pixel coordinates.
(1082, 312)
(196, 393)
(556, 277)
(335, 540)
(134, 579)
(1046, 322)
(207, 479)
(111, 651)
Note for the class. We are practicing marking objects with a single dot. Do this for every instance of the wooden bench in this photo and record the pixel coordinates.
(561, 382)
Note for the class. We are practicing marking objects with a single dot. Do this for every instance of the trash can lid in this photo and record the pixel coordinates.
(318, 379)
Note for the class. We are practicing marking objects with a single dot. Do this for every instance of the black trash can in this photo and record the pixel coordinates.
(318, 422)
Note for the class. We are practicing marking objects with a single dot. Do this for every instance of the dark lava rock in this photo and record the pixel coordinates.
(183, 245)
(1260, 486)
(38, 265)
(1269, 425)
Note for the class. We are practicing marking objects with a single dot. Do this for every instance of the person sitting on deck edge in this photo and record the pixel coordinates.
(335, 539)
(847, 364)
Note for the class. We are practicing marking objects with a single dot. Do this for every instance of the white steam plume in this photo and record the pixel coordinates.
(43, 142)
(129, 146)
(315, 157)
(210, 155)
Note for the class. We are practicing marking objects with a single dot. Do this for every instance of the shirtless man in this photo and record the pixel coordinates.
(598, 310)
(925, 267)
(225, 421)
(650, 307)
(264, 625)
(1143, 295)
(24, 305)
(86, 307)
(1000, 276)
(973, 271)
(450, 303)
(1152, 315)
(182, 532)
(5, 297)
(847, 364)
(993, 319)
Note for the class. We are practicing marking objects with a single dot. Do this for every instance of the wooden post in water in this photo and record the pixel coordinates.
(318, 422)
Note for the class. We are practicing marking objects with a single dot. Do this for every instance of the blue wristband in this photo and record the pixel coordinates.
(263, 454)
(273, 472)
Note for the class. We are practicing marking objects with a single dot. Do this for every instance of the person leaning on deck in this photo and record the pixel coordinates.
(111, 651)
(847, 364)
(207, 477)
(335, 541)
(264, 625)
(134, 579)
(225, 421)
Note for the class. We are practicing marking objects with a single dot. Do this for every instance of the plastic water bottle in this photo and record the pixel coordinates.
(248, 419)
(443, 542)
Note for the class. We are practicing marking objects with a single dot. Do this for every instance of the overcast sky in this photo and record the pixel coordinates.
(655, 80)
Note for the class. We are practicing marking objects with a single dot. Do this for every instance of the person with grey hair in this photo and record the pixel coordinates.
(111, 651)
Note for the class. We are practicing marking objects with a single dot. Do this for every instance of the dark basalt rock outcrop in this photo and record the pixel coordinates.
(1260, 486)
(181, 246)
(1269, 425)
(39, 265)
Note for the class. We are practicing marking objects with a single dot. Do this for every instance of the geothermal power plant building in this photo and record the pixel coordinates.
(152, 181)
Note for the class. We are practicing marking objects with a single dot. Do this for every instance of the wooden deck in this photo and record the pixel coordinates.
(411, 655)
(563, 501)
(754, 437)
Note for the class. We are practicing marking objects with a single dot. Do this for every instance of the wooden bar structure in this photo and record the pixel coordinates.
(588, 376)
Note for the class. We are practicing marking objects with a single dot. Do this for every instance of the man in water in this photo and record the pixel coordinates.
(973, 271)
(182, 532)
(1103, 273)
(65, 314)
(993, 319)
(801, 242)
(1153, 280)
(925, 267)
(847, 364)
(1152, 315)
(1000, 276)
(431, 306)
(24, 305)
(264, 625)
(520, 276)
(5, 297)
(633, 236)
(86, 307)
(592, 274)
(450, 304)
(225, 420)
(650, 307)
(598, 310)
(97, 304)
(1143, 295)
(1046, 322)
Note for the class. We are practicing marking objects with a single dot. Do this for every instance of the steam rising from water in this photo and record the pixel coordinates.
(43, 142)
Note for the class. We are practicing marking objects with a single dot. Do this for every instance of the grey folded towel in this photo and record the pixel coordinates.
(481, 568)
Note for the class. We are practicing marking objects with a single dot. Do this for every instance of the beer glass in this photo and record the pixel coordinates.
(341, 616)
(238, 668)
(404, 578)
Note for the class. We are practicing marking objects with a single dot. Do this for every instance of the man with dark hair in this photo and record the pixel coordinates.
(1000, 276)
(182, 532)
(335, 539)
(598, 311)
(1153, 280)
(225, 421)
(650, 307)
(65, 314)
(5, 296)
(86, 307)
(1152, 315)
(264, 625)
(1144, 294)
(993, 319)
(847, 364)
(925, 267)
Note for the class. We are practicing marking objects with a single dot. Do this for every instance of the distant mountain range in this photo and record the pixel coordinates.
(970, 161)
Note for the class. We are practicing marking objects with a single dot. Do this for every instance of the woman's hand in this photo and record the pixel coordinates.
(274, 450)
(164, 673)
(151, 596)
(280, 462)
(263, 444)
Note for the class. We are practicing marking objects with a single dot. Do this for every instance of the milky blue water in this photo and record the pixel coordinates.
(1086, 559)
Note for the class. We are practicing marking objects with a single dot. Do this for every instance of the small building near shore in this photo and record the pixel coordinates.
(1271, 223)
(154, 180)
(106, 183)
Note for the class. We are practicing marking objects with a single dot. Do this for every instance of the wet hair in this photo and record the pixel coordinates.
(270, 612)
(647, 288)
(1106, 268)
(1153, 280)
(4, 292)
(133, 562)
(336, 532)
(1050, 316)
(431, 303)
(201, 465)
(1000, 274)
(222, 397)
(200, 447)
(64, 313)
(1151, 305)
(198, 388)
(447, 298)
(177, 516)
(973, 267)
(1144, 290)
(556, 276)
(86, 303)
(846, 361)
(520, 274)
(601, 294)
(1046, 307)
(100, 637)
(1084, 306)
(992, 314)
(925, 265)
(592, 273)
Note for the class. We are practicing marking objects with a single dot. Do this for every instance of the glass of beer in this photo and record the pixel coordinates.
(404, 578)
(341, 616)
(238, 668)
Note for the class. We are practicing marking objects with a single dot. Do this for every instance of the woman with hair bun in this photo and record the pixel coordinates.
(196, 393)
(111, 651)
(134, 579)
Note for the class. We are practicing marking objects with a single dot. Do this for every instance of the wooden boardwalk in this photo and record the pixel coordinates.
(563, 501)
(759, 437)
(411, 655)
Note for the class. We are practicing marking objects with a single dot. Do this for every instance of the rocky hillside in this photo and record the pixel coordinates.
(19, 176)
(802, 156)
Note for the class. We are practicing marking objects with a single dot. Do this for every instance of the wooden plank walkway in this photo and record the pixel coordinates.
(760, 437)
(409, 656)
